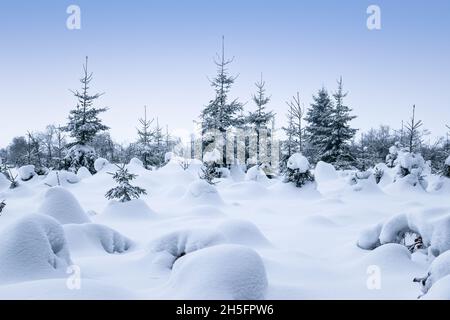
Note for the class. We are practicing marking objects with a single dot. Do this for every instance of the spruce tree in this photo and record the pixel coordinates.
(341, 133)
(260, 118)
(124, 192)
(221, 114)
(319, 128)
(84, 123)
(145, 136)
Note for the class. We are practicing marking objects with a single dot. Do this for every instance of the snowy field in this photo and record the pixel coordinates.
(247, 237)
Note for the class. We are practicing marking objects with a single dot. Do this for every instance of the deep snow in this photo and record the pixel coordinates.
(245, 237)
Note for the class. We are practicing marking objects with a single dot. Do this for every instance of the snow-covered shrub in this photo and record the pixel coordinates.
(391, 158)
(136, 209)
(255, 173)
(83, 173)
(298, 170)
(61, 178)
(135, 162)
(228, 272)
(201, 192)
(243, 232)
(378, 172)
(80, 156)
(174, 245)
(100, 164)
(439, 268)
(124, 192)
(324, 172)
(82, 237)
(27, 172)
(33, 248)
(60, 204)
(410, 168)
(369, 238)
(14, 183)
(446, 169)
(209, 170)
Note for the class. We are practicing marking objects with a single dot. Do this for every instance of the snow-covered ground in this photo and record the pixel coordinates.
(245, 238)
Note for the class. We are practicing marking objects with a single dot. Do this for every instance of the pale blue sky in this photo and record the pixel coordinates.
(159, 53)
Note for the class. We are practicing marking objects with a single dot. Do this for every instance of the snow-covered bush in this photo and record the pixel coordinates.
(135, 162)
(440, 267)
(33, 248)
(136, 209)
(298, 170)
(174, 245)
(61, 205)
(324, 172)
(255, 173)
(201, 192)
(378, 172)
(14, 183)
(27, 172)
(124, 192)
(80, 156)
(410, 168)
(228, 272)
(100, 164)
(391, 158)
(210, 166)
(446, 169)
(61, 178)
(83, 173)
(90, 236)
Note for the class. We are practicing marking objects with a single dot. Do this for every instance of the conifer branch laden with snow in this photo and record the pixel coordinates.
(298, 170)
(124, 192)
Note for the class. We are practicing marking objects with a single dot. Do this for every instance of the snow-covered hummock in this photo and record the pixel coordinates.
(243, 232)
(33, 248)
(136, 209)
(83, 173)
(27, 172)
(411, 161)
(227, 272)
(212, 156)
(100, 164)
(92, 238)
(135, 163)
(298, 162)
(324, 172)
(169, 247)
(369, 238)
(60, 204)
(61, 178)
(168, 156)
(439, 268)
(255, 173)
(200, 192)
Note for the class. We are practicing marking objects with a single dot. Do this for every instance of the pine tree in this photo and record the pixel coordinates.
(145, 136)
(221, 114)
(124, 192)
(83, 125)
(413, 133)
(260, 118)
(319, 128)
(341, 132)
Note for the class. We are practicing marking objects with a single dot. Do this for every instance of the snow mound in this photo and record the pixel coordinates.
(60, 204)
(100, 164)
(369, 238)
(83, 173)
(255, 173)
(201, 192)
(242, 232)
(4, 183)
(206, 211)
(224, 272)
(298, 162)
(33, 248)
(440, 290)
(26, 172)
(391, 256)
(136, 209)
(135, 163)
(172, 246)
(61, 178)
(439, 268)
(324, 172)
(92, 237)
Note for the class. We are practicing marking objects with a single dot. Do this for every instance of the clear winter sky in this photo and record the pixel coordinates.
(159, 53)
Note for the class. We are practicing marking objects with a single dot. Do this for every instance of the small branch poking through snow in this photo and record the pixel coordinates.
(2, 206)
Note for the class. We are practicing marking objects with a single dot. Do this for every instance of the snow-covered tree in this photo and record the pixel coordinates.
(84, 123)
(210, 168)
(413, 132)
(391, 158)
(446, 169)
(221, 113)
(411, 166)
(124, 192)
(319, 128)
(145, 136)
(260, 119)
(298, 170)
(341, 132)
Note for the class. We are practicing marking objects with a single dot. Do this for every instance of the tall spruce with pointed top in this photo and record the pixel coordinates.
(319, 128)
(221, 114)
(260, 118)
(84, 123)
(124, 192)
(341, 133)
